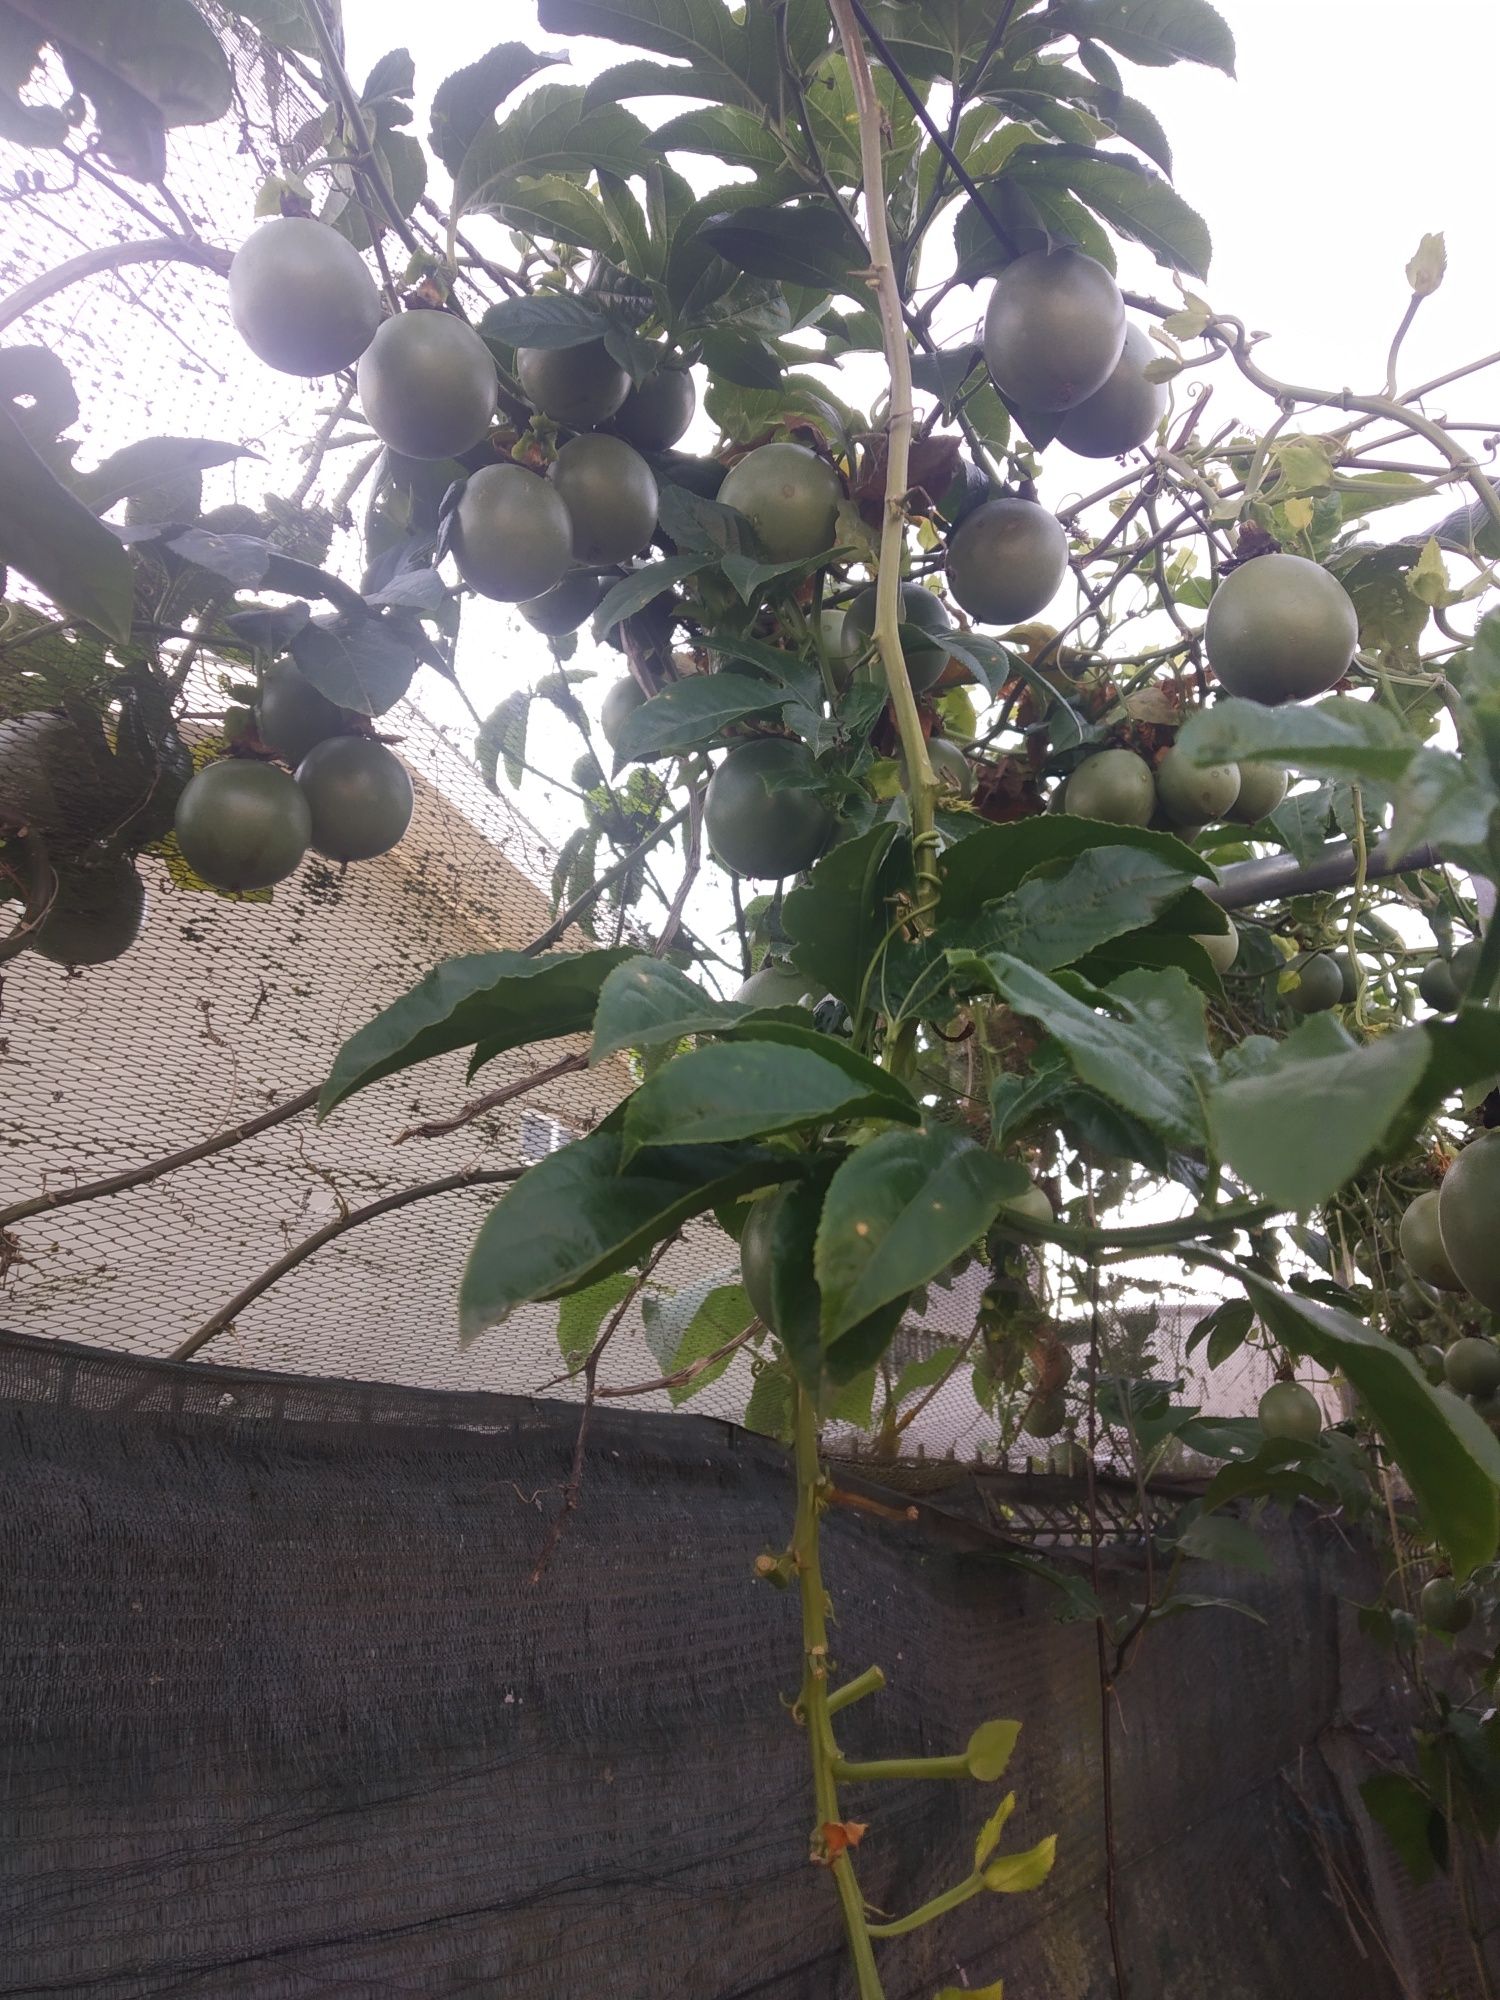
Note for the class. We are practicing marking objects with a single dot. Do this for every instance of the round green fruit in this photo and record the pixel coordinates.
(920, 609)
(1007, 560)
(656, 412)
(512, 537)
(1280, 628)
(1422, 1244)
(1124, 412)
(566, 605)
(622, 701)
(951, 768)
(1223, 947)
(1468, 1204)
(1112, 785)
(1287, 1410)
(242, 825)
(1444, 1606)
(1437, 985)
(1472, 1366)
(1348, 980)
(754, 830)
(777, 986)
(1262, 788)
(1054, 329)
(1320, 985)
(427, 385)
(610, 494)
(1193, 795)
(790, 497)
(1463, 965)
(292, 716)
(301, 297)
(756, 1257)
(576, 387)
(360, 794)
(1045, 1416)
(1430, 1360)
(95, 913)
(1032, 1204)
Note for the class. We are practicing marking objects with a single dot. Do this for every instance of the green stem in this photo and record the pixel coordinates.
(950, 1899)
(871, 1681)
(900, 1767)
(1149, 1236)
(814, 1699)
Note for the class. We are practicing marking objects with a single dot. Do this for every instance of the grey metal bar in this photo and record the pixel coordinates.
(1274, 877)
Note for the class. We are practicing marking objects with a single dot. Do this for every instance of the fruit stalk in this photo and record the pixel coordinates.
(920, 782)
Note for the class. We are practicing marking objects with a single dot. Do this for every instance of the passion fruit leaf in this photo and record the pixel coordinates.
(899, 1210)
(1414, 1826)
(466, 100)
(1226, 1329)
(1231, 1544)
(582, 1213)
(581, 1315)
(691, 714)
(722, 1314)
(283, 23)
(642, 587)
(1157, 33)
(1449, 802)
(358, 663)
(752, 1089)
(701, 526)
(1335, 738)
(501, 998)
(548, 319)
(1068, 907)
(55, 542)
(1136, 203)
(988, 1837)
(727, 132)
(742, 358)
(838, 918)
(993, 861)
(1014, 1873)
(809, 244)
(502, 739)
(161, 50)
(147, 461)
(1447, 1452)
(989, 1750)
(550, 132)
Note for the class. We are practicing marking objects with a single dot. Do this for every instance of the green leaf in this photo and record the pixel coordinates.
(988, 1837)
(691, 714)
(147, 461)
(988, 1753)
(994, 860)
(1156, 33)
(701, 32)
(1218, 1538)
(741, 358)
(502, 739)
(1013, 1873)
(1069, 907)
(550, 132)
(1447, 1452)
(1412, 1823)
(283, 23)
(769, 1410)
(581, 1315)
(839, 917)
(727, 132)
(1134, 202)
(464, 102)
(360, 663)
(645, 1002)
(1342, 737)
(559, 211)
(545, 319)
(501, 998)
(752, 1089)
(582, 1213)
(900, 1209)
(163, 50)
(642, 587)
(56, 543)
(805, 245)
(1226, 1329)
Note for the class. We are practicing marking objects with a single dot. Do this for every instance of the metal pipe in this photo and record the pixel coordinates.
(1275, 877)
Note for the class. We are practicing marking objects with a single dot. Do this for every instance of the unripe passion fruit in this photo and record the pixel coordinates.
(622, 701)
(512, 536)
(756, 1259)
(1112, 785)
(1320, 985)
(427, 384)
(610, 494)
(242, 825)
(95, 913)
(656, 412)
(292, 716)
(566, 605)
(1124, 412)
(1007, 560)
(1223, 947)
(360, 795)
(1472, 1366)
(790, 497)
(1437, 985)
(1262, 788)
(301, 297)
(754, 830)
(1444, 1607)
(1191, 795)
(1463, 965)
(1054, 329)
(1279, 629)
(1422, 1244)
(1287, 1410)
(1468, 1203)
(1045, 1416)
(777, 986)
(577, 387)
(925, 658)
(951, 768)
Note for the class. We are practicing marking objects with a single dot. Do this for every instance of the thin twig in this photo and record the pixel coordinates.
(438, 1128)
(110, 257)
(683, 1376)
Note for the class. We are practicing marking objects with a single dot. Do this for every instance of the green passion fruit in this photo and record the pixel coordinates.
(95, 914)
(427, 385)
(757, 1257)
(658, 410)
(1437, 986)
(610, 494)
(1472, 1366)
(301, 297)
(1320, 985)
(1113, 785)
(566, 605)
(1468, 1203)
(1463, 965)
(951, 768)
(1007, 560)
(759, 831)
(242, 825)
(577, 387)
(1444, 1606)
(1280, 628)
(360, 795)
(790, 497)
(1223, 947)
(776, 985)
(292, 716)
(1124, 412)
(1192, 795)
(1287, 1410)
(1054, 329)
(512, 537)
(1422, 1244)
(620, 703)
(920, 611)
(1262, 788)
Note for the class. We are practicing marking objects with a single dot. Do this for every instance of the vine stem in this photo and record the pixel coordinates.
(111, 257)
(813, 1700)
(921, 785)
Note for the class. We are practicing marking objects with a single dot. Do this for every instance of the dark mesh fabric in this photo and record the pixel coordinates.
(282, 1715)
